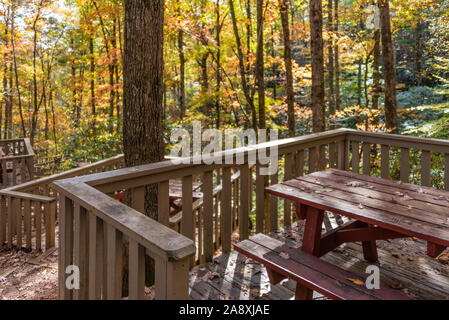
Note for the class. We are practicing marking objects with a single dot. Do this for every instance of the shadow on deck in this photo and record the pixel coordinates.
(403, 265)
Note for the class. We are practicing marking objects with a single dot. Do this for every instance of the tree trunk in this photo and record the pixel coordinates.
(92, 84)
(359, 82)
(246, 90)
(316, 45)
(19, 98)
(337, 58)
(330, 50)
(218, 62)
(6, 90)
(389, 70)
(182, 93)
(418, 54)
(260, 71)
(283, 5)
(376, 71)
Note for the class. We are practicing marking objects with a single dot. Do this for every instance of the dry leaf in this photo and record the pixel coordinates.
(354, 184)
(361, 206)
(422, 260)
(397, 285)
(284, 255)
(356, 281)
(407, 198)
(399, 193)
(410, 207)
(444, 258)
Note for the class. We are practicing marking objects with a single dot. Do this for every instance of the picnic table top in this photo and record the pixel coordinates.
(412, 210)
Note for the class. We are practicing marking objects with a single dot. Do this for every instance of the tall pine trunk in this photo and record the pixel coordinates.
(376, 71)
(260, 72)
(337, 57)
(316, 45)
(389, 69)
(330, 50)
(288, 68)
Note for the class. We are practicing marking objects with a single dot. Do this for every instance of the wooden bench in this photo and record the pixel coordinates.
(310, 273)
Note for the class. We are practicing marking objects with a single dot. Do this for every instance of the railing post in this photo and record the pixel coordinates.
(226, 214)
(208, 216)
(245, 196)
(172, 279)
(65, 244)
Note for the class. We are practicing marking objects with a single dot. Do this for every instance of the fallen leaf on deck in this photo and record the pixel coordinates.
(397, 285)
(407, 198)
(361, 206)
(422, 260)
(399, 193)
(444, 258)
(284, 255)
(354, 184)
(356, 281)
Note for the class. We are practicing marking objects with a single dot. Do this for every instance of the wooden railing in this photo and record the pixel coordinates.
(16, 157)
(28, 211)
(233, 200)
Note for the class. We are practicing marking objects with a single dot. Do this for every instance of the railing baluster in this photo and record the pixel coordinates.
(14, 172)
(188, 219)
(341, 155)
(208, 216)
(274, 179)
(95, 257)
(446, 172)
(18, 210)
(38, 222)
(136, 270)
(355, 157)
(4, 174)
(245, 196)
(10, 222)
(114, 263)
(322, 157)
(366, 150)
(200, 236)
(313, 160)
(288, 176)
(49, 215)
(138, 199)
(425, 168)
(260, 200)
(385, 161)
(65, 244)
(80, 245)
(300, 163)
(27, 218)
(226, 215)
(3, 215)
(405, 165)
(164, 203)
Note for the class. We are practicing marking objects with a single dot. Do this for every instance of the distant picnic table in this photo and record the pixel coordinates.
(175, 195)
(380, 209)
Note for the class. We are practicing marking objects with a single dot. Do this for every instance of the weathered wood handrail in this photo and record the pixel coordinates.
(228, 191)
(30, 208)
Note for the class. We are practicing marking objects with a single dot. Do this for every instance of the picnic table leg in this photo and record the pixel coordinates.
(369, 247)
(310, 244)
(434, 250)
(301, 211)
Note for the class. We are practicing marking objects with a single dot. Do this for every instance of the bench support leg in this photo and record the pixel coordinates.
(369, 247)
(303, 293)
(275, 277)
(434, 250)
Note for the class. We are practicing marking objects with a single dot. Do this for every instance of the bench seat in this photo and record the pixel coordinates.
(310, 272)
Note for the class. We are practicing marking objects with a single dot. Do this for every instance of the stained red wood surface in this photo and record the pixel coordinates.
(311, 272)
(410, 210)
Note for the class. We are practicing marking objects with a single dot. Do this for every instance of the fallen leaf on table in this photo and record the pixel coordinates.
(354, 184)
(410, 207)
(356, 281)
(393, 201)
(399, 193)
(407, 198)
(284, 255)
(397, 285)
(444, 258)
(420, 190)
(422, 260)
(361, 206)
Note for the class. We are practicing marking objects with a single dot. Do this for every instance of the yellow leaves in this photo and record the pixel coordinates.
(356, 281)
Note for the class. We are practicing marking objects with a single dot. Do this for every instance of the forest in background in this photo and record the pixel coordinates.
(61, 74)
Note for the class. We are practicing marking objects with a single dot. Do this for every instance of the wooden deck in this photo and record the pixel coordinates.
(403, 266)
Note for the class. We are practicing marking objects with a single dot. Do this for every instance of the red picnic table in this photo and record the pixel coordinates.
(175, 195)
(381, 209)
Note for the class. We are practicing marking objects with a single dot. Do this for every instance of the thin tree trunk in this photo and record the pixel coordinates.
(19, 98)
(246, 90)
(218, 62)
(92, 84)
(389, 69)
(182, 94)
(283, 5)
(260, 70)
(337, 57)
(330, 50)
(35, 102)
(376, 71)
(359, 82)
(418, 54)
(6, 90)
(316, 45)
